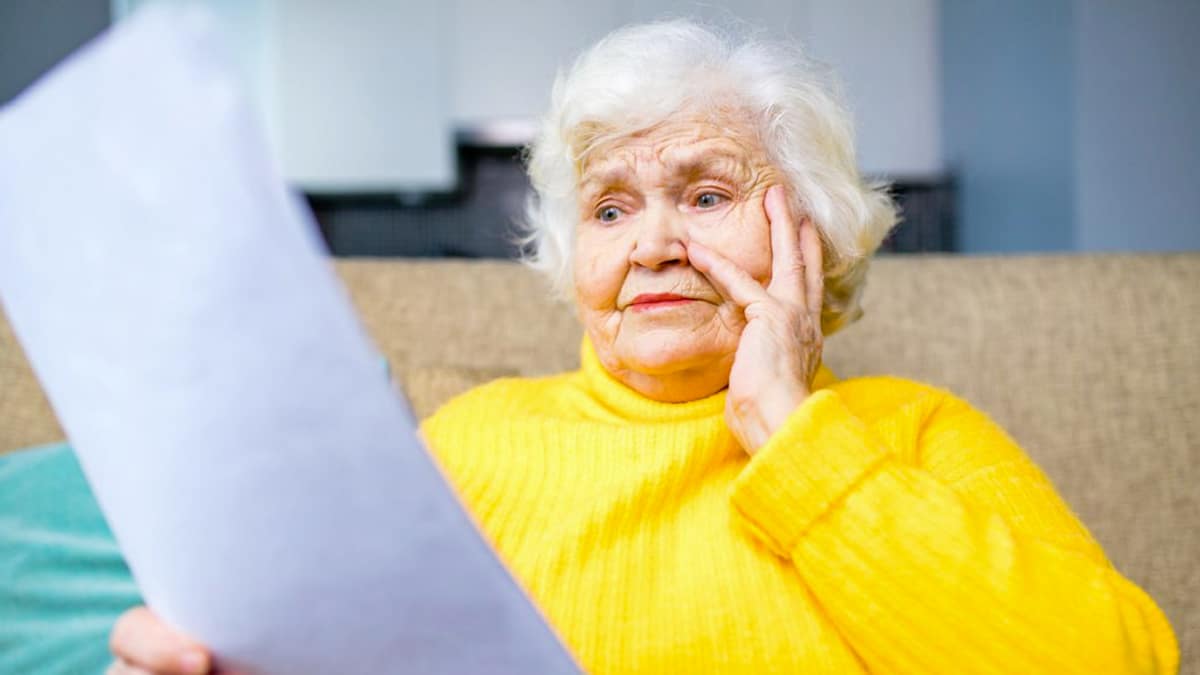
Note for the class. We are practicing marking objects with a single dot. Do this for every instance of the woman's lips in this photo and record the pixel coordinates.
(651, 301)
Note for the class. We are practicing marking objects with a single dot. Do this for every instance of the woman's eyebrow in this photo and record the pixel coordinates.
(687, 164)
(605, 177)
(690, 165)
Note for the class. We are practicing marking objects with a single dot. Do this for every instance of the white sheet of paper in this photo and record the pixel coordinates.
(257, 468)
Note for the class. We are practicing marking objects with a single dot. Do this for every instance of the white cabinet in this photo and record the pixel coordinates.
(354, 93)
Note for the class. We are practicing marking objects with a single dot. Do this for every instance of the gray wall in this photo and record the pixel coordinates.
(1138, 125)
(36, 34)
(1073, 124)
(1007, 110)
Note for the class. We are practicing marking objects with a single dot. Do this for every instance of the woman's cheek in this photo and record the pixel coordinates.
(599, 270)
(742, 235)
(754, 241)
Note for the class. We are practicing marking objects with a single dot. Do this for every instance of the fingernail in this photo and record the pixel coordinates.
(194, 662)
(768, 198)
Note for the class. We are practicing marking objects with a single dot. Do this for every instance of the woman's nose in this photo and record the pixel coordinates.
(660, 239)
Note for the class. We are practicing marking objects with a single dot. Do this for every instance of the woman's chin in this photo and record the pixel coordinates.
(666, 351)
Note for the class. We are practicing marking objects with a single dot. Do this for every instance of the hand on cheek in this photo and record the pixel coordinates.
(780, 347)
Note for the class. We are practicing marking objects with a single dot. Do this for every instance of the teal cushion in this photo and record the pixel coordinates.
(63, 582)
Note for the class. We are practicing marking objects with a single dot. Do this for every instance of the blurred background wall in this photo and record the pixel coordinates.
(1051, 125)
(36, 34)
(1137, 124)
(1073, 125)
(1007, 107)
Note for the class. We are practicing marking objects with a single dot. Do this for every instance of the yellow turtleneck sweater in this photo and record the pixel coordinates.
(887, 527)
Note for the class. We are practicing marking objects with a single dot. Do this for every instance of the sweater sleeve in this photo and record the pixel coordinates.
(962, 560)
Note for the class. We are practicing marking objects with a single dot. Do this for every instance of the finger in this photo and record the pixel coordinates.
(142, 639)
(787, 260)
(730, 280)
(814, 266)
(123, 667)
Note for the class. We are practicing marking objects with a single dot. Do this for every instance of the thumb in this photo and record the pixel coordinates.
(144, 640)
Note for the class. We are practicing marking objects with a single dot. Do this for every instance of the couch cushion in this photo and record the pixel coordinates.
(25, 416)
(427, 387)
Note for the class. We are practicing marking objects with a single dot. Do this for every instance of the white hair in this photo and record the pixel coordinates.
(642, 75)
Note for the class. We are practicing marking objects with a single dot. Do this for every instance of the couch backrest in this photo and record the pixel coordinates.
(1091, 362)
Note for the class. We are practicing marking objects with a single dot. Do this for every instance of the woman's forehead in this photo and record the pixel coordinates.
(682, 146)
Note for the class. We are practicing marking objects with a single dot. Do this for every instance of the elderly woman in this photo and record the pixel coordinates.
(702, 496)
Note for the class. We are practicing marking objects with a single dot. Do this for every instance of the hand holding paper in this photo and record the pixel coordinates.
(260, 473)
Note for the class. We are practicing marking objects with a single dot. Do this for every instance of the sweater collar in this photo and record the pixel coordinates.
(628, 404)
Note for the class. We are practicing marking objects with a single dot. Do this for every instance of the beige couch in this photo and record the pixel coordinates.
(1092, 363)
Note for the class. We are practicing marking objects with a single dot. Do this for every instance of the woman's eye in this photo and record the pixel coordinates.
(608, 214)
(709, 200)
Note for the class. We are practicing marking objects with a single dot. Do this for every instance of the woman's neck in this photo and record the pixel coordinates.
(677, 387)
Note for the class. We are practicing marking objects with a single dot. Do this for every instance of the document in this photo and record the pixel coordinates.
(261, 475)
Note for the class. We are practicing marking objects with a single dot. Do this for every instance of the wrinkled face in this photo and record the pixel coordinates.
(642, 200)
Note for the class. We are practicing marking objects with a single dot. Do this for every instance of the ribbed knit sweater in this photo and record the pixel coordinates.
(886, 527)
